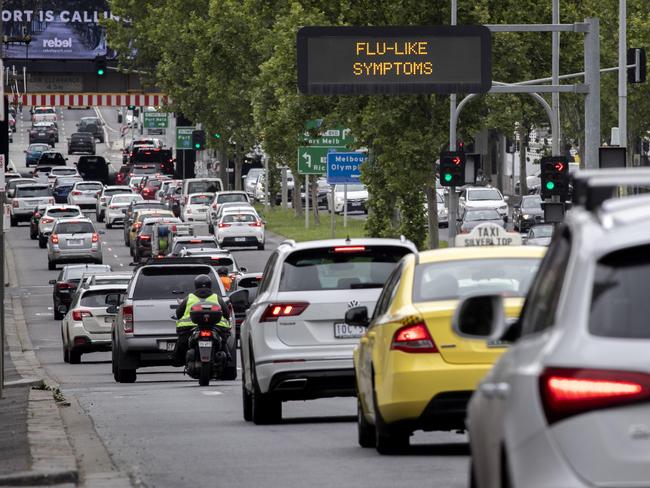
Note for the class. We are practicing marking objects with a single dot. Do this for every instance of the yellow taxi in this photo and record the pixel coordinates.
(412, 372)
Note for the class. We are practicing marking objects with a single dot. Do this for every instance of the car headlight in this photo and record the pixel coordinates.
(525, 216)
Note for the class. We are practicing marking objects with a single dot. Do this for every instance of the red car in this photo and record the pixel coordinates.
(150, 185)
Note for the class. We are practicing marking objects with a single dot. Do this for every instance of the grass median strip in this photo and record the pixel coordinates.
(285, 223)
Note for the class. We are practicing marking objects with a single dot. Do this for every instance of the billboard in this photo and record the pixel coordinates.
(59, 29)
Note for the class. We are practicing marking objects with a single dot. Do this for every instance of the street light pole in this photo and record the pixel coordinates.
(453, 198)
(622, 72)
(555, 74)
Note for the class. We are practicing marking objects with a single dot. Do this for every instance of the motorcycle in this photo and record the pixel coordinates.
(205, 358)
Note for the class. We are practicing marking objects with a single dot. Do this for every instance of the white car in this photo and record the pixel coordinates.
(199, 185)
(134, 182)
(224, 197)
(105, 196)
(60, 171)
(294, 342)
(567, 403)
(250, 180)
(26, 197)
(85, 193)
(117, 207)
(48, 219)
(483, 197)
(357, 197)
(240, 229)
(86, 327)
(196, 207)
(44, 114)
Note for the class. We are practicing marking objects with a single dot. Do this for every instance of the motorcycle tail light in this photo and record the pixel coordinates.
(205, 333)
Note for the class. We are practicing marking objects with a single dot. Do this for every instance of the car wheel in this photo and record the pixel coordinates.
(51, 265)
(13, 222)
(210, 229)
(386, 441)
(366, 431)
(74, 356)
(58, 315)
(247, 403)
(123, 375)
(66, 352)
(265, 409)
(472, 475)
(42, 242)
(260, 247)
(33, 235)
(100, 217)
(109, 225)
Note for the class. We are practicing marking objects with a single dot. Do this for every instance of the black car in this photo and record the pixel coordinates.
(51, 158)
(92, 125)
(475, 216)
(95, 168)
(66, 284)
(83, 142)
(527, 213)
(44, 132)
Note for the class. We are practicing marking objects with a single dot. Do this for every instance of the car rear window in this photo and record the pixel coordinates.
(32, 191)
(203, 186)
(74, 228)
(450, 280)
(64, 171)
(339, 268)
(169, 282)
(116, 191)
(200, 199)
(97, 298)
(232, 218)
(88, 186)
(125, 198)
(232, 198)
(66, 181)
(619, 304)
(193, 244)
(144, 170)
(63, 212)
(76, 272)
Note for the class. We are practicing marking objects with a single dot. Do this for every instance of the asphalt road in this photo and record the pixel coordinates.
(169, 432)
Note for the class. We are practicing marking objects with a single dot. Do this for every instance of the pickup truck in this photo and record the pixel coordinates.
(144, 332)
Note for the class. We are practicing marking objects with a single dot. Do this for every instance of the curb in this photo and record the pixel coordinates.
(31, 478)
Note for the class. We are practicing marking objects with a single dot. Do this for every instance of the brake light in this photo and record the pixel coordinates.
(113, 207)
(37, 216)
(143, 237)
(137, 225)
(350, 249)
(76, 193)
(196, 241)
(62, 285)
(285, 309)
(54, 238)
(205, 333)
(127, 318)
(95, 237)
(45, 220)
(567, 391)
(15, 204)
(78, 315)
(413, 338)
(221, 225)
(257, 223)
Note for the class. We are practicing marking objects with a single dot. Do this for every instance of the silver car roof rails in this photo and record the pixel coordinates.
(592, 187)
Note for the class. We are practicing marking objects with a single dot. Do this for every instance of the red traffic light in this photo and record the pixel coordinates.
(455, 160)
(559, 166)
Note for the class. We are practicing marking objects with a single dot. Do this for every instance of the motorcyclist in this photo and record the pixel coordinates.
(184, 325)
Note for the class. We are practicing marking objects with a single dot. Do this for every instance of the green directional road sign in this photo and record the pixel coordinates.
(184, 137)
(337, 136)
(313, 160)
(155, 120)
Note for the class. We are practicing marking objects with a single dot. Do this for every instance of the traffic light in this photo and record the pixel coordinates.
(554, 176)
(198, 139)
(100, 66)
(217, 135)
(638, 72)
(452, 168)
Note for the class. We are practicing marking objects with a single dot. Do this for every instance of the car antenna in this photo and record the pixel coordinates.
(347, 239)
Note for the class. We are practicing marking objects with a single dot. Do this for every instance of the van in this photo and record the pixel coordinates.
(200, 185)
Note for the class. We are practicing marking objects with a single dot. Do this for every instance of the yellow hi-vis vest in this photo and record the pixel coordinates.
(192, 299)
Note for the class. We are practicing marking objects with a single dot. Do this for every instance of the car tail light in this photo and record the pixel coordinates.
(15, 204)
(214, 206)
(350, 249)
(143, 237)
(285, 309)
(62, 285)
(37, 216)
(137, 225)
(221, 225)
(257, 223)
(205, 333)
(78, 315)
(54, 238)
(46, 220)
(127, 318)
(76, 193)
(95, 237)
(113, 207)
(568, 391)
(413, 338)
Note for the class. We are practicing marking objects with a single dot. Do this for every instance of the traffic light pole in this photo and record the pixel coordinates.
(452, 215)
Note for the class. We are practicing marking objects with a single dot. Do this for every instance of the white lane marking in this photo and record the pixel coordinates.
(115, 256)
(121, 265)
(43, 314)
(211, 393)
(110, 249)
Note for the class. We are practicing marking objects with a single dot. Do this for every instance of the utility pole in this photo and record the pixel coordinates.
(555, 74)
(3, 110)
(453, 197)
(592, 98)
(622, 73)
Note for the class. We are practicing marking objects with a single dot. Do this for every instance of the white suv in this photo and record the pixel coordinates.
(294, 342)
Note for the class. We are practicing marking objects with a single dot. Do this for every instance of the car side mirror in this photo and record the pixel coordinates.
(480, 317)
(113, 299)
(243, 269)
(62, 309)
(357, 316)
(101, 232)
(240, 300)
(52, 282)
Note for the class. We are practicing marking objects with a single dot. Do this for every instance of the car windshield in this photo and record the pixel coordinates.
(63, 212)
(97, 298)
(487, 214)
(44, 110)
(542, 231)
(125, 198)
(531, 203)
(232, 218)
(17, 182)
(89, 186)
(168, 282)
(232, 198)
(43, 169)
(451, 280)
(200, 199)
(38, 147)
(339, 268)
(479, 195)
(51, 157)
(203, 186)
(74, 228)
(150, 206)
(76, 272)
(32, 191)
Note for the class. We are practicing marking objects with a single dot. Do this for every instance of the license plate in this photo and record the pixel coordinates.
(166, 345)
(345, 331)
(240, 239)
(205, 343)
(498, 343)
(41, 133)
(75, 242)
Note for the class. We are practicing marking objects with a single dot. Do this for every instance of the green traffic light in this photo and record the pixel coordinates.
(197, 146)
(217, 136)
(447, 177)
(550, 185)
(100, 72)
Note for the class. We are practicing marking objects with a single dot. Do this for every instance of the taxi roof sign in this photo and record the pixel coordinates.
(488, 234)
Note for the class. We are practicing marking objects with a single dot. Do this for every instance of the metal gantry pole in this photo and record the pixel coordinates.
(453, 120)
(345, 205)
(306, 202)
(592, 99)
(622, 72)
(555, 74)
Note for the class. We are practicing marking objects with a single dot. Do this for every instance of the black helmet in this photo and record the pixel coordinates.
(202, 281)
(223, 271)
